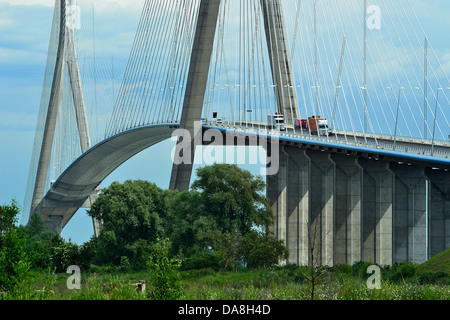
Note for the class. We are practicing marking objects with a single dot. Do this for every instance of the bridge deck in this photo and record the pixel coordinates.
(348, 138)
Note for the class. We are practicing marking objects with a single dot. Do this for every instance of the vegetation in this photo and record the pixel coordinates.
(438, 263)
(212, 242)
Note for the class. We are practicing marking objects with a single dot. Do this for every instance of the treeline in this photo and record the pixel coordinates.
(223, 223)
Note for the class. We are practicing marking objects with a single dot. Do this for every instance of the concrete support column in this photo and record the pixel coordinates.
(439, 211)
(378, 189)
(54, 224)
(348, 211)
(410, 209)
(298, 206)
(277, 194)
(196, 84)
(321, 203)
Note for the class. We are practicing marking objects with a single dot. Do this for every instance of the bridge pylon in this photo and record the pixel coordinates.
(281, 65)
(65, 67)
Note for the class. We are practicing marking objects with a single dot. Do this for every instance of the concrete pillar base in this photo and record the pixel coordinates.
(321, 199)
(348, 209)
(298, 206)
(277, 194)
(410, 211)
(54, 224)
(378, 189)
(439, 211)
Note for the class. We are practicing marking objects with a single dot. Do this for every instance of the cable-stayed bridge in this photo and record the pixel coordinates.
(349, 100)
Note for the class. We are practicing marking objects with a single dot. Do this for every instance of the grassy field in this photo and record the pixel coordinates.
(281, 283)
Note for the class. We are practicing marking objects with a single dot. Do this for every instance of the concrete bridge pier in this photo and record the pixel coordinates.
(439, 211)
(378, 199)
(277, 194)
(54, 224)
(333, 208)
(410, 212)
(321, 207)
(298, 206)
(348, 208)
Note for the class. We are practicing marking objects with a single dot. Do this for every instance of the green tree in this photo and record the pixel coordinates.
(262, 250)
(227, 246)
(130, 211)
(141, 253)
(8, 217)
(236, 217)
(63, 254)
(36, 225)
(39, 242)
(14, 262)
(87, 253)
(234, 198)
(187, 226)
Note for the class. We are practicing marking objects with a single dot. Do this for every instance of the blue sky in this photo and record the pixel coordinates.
(24, 35)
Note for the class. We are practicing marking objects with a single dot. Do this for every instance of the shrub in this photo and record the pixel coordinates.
(14, 264)
(141, 255)
(164, 272)
(262, 250)
(427, 277)
(294, 273)
(63, 254)
(202, 260)
(404, 271)
(360, 269)
(343, 268)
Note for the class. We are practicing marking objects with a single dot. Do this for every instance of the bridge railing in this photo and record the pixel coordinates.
(423, 147)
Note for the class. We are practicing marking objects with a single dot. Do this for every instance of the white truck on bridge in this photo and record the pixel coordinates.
(276, 121)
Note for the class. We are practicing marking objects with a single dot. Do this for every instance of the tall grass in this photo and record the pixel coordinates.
(288, 283)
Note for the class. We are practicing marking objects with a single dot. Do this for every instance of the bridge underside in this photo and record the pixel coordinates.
(336, 206)
(78, 186)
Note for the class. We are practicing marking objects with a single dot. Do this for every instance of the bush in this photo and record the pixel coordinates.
(14, 261)
(344, 269)
(141, 255)
(164, 272)
(14, 264)
(64, 254)
(103, 269)
(360, 269)
(262, 250)
(294, 273)
(428, 277)
(202, 260)
(405, 270)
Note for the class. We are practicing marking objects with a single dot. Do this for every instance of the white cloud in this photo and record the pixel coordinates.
(45, 3)
(100, 5)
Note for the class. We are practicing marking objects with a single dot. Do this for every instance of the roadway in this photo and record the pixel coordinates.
(374, 141)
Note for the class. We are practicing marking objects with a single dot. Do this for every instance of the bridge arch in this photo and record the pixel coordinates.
(77, 187)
